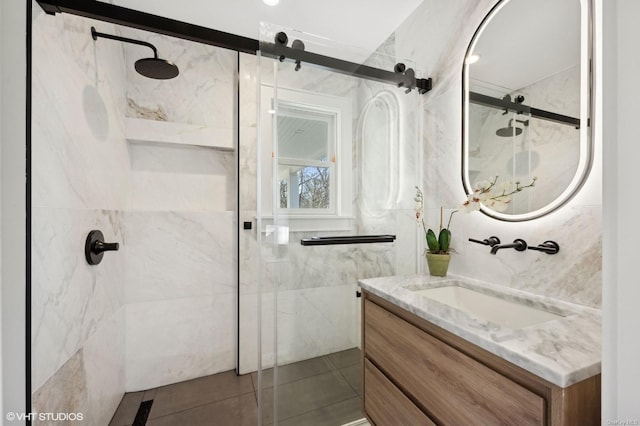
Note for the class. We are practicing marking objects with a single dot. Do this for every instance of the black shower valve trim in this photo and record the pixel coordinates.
(95, 247)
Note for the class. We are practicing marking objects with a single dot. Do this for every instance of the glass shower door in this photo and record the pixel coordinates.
(334, 163)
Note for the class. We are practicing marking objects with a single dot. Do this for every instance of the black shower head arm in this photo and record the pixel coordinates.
(95, 34)
(525, 122)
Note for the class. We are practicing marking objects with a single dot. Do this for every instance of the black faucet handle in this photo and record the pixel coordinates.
(483, 242)
(100, 246)
(549, 247)
(520, 245)
(95, 247)
(491, 241)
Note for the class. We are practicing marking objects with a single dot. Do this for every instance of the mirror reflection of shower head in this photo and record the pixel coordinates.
(155, 67)
(510, 129)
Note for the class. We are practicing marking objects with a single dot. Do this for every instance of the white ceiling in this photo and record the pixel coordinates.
(361, 23)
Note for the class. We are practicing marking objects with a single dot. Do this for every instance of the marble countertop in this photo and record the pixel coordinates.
(562, 351)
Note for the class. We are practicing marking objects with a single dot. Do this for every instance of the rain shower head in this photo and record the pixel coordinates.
(505, 132)
(510, 129)
(155, 67)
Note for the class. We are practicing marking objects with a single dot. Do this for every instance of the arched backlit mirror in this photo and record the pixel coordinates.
(526, 98)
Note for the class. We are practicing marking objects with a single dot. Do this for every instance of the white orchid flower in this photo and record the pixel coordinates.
(469, 206)
(499, 206)
(419, 206)
(505, 186)
(482, 185)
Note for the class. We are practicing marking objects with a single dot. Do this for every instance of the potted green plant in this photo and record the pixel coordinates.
(438, 247)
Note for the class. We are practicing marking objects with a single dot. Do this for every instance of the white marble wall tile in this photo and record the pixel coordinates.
(248, 90)
(182, 227)
(70, 298)
(169, 191)
(80, 182)
(173, 340)
(175, 177)
(249, 252)
(91, 381)
(314, 322)
(178, 159)
(317, 266)
(311, 322)
(256, 313)
(64, 392)
(153, 192)
(376, 260)
(247, 171)
(559, 93)
(203, 91)
(79, 153)
(408, 235)
(104, 369)
(249, 262)
(173, 255)
(447, 26)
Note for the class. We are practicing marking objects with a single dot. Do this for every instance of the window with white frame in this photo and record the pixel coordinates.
(312, 147)
(306, 159)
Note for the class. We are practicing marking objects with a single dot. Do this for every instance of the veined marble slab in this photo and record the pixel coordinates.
(563, 351)
(141, 130)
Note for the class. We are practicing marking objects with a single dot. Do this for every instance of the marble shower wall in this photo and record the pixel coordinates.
(574, 274)
(162, 309)
(180, 296)
(181, 278)
(77, 144)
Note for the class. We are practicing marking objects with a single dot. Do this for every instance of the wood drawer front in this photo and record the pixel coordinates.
(452, 388)
(386, 405)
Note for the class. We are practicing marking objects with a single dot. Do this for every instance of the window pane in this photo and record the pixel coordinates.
(305, 138)
(304, 187)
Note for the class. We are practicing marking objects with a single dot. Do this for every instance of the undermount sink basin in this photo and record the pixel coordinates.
(491, 308)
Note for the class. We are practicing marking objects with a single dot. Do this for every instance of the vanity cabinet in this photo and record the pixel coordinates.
(415, 373)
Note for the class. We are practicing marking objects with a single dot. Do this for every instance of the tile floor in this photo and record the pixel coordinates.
(315, 392)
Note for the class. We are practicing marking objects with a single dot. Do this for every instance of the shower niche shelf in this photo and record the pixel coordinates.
(143, 130)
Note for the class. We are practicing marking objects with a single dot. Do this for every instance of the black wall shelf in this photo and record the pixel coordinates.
(351, 239)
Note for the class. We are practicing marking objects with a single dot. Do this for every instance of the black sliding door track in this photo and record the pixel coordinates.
(145, 21)
(508, 105)
(148, 22)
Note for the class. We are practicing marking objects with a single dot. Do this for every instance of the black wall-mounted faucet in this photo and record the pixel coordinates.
(518, 244)
(491, 241)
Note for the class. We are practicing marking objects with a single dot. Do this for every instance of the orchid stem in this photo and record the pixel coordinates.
(450, 217)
